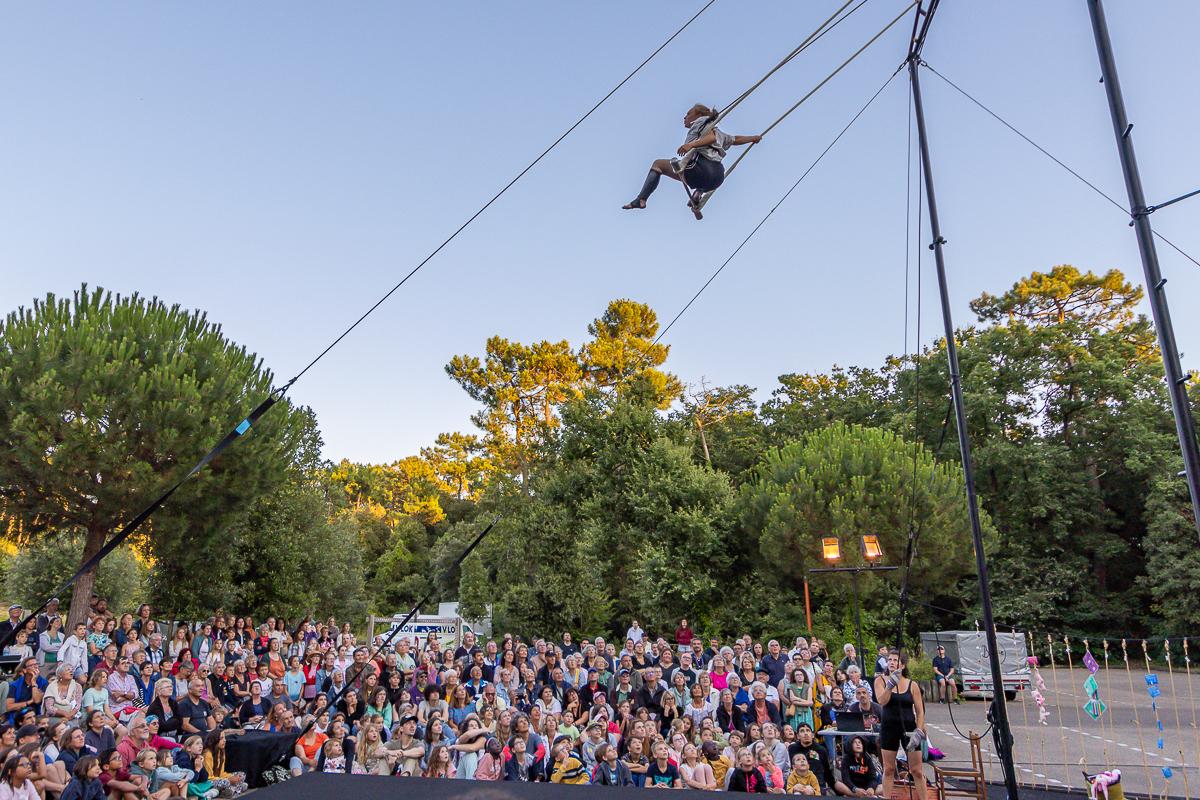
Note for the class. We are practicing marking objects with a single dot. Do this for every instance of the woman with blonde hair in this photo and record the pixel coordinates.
(180, 642)
(696, 772)
(371, 755)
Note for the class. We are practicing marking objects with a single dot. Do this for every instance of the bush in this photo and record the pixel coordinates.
(920, 669)
(35, 573)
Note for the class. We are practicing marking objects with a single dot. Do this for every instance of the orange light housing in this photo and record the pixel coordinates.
(872, 551)
(831, 548)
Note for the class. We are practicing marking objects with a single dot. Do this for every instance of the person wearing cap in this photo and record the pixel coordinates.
(15, 612)
(410, 749)
(594, 735)
(943, 673)
(600, 709)
(28, 734)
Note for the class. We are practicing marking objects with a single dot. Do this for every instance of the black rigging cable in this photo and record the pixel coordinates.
(908, 168)
(278, 393)
(913, 528)
(824, 28)
(1054, 158)
(500, 193)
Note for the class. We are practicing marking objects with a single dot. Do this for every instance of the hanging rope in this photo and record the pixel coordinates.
(1111, 718)
(704, 198)
(778, 203)
(1158, 724)
(821, 30)
(825, 27)
(1062, 733)
(1183, 761)
(913, 530)
(1087, 648)
(1039, 686)
(1187, 665)
(1078, 714)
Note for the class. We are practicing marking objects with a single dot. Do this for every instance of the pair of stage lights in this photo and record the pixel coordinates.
(831, 548)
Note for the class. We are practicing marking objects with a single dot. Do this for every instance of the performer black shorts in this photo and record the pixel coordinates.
(891, 735)
(704, 174)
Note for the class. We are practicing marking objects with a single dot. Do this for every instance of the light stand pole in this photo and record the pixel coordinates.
(854, 571)
(1155, 292)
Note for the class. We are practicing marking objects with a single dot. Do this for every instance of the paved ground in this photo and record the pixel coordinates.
(1125, 737)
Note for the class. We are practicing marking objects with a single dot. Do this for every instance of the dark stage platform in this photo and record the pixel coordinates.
(318, 786)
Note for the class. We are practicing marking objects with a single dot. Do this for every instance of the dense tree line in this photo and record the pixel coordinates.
(621, 492)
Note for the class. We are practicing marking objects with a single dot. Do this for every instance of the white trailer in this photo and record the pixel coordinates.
(969, 652)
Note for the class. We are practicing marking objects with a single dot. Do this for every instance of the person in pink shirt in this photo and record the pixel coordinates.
(122, 689)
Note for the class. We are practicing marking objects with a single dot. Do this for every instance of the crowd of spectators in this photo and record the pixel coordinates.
(125, 706)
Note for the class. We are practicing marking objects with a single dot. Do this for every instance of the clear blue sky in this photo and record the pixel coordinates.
(281, 164)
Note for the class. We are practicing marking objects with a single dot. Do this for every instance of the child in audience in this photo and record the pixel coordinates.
(335, 757)
(802, 780)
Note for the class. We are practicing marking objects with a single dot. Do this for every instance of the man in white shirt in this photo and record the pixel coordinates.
(74, 650)
(635, 632)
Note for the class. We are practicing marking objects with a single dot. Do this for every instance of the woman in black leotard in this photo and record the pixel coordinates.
(903, 722)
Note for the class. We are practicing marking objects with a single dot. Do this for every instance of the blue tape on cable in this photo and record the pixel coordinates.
(1167, 772)
(243, 427)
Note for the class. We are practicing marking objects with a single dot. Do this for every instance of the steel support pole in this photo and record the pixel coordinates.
(807, 608)
(1185, 428)
(861, 657)
(999, 712)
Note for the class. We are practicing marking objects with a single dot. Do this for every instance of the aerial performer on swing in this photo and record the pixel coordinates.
(701, 171)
